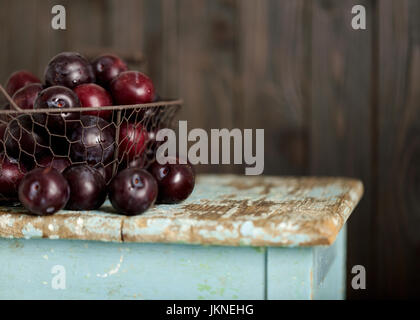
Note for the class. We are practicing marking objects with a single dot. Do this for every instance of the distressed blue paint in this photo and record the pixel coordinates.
(307, 273)
(289, 273)
(333, 285)
(30, 232)
(97, 270)
(146, 271)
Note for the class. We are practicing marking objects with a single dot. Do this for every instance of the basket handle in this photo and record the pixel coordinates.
(12, 103)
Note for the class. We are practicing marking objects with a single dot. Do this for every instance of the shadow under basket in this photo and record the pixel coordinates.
(107, 138)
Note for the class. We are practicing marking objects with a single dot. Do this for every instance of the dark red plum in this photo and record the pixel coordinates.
(152, 143)
(136, 163)
(92, 95)
(93, 141)
(105, 170)
(132, 87)
(25, 139)
(175, 181)
(107, 67)
(148, 156)
(18, 80)
(58, 163)
(11, 173)
(44, 191)
(69, 69)
(60, 145)
(87, 188)
(3, 128)
(133, 191)
(56, 98)
(132, 141)
(26, 96)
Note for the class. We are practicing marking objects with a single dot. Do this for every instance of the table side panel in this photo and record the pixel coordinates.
(98, 270)
(289, 273)
(330, 279)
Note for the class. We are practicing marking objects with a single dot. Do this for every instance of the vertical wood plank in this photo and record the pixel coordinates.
(206, 66)
(207, 70)
(340, 114)
(153, 42)
(274, 69)
(18, 37)
(170, 49)
(126, 23)
(397, 218)
(4, 54)
(85, 24)
(125, 27)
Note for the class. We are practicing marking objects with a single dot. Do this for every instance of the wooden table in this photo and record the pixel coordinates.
(236, 237)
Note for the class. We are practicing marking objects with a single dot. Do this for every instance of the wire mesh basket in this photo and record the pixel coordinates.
(106, 138)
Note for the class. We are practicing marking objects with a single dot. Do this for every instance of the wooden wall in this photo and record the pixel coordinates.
(332, 101)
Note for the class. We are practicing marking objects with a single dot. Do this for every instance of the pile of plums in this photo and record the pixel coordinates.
(54, 159)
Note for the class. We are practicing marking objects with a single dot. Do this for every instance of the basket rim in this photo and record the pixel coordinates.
(170, 102)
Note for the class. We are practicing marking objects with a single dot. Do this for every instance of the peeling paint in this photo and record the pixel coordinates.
(112, 271)
(30, 232)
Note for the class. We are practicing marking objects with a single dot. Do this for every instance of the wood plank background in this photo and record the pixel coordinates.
(332, 101)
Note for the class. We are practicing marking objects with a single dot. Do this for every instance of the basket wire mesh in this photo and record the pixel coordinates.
(107, 138)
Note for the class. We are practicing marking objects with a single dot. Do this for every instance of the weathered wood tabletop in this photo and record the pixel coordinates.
(223, 210)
